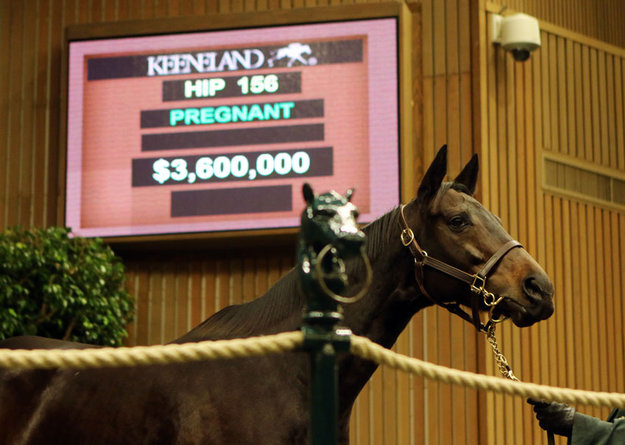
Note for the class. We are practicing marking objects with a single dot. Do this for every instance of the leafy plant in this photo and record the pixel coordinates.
(61, 287)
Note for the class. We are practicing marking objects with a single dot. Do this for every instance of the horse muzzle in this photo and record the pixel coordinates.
(537, 305)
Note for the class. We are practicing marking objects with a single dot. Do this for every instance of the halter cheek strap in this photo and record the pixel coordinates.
(477, 281)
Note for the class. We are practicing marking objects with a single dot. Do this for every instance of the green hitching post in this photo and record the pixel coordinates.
(328, 235)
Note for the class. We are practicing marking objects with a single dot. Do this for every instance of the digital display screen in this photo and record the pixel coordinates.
(218, 131)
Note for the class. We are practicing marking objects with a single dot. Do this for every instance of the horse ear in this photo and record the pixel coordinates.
(309, 195)
(468, 175)
(349, 193)
(434, 176)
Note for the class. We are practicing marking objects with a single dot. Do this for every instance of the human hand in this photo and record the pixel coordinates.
(556, 418)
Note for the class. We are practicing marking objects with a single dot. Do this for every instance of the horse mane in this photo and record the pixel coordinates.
(381, 232)
(280, 308)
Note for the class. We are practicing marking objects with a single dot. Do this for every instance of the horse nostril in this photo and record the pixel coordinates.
(537, 288)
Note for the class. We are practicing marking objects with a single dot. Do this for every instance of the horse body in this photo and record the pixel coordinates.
(264, 400)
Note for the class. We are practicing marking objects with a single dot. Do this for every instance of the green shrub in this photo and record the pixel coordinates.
(61, 287)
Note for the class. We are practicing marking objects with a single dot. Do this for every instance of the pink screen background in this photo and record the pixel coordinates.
(99, 198)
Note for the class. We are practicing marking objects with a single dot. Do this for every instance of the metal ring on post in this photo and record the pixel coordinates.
(326, 289)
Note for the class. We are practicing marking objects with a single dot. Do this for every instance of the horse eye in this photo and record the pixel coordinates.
(325, 212)
(356, 214)
(457, 222)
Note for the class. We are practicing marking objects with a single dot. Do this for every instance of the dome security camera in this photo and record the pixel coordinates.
(517, 33)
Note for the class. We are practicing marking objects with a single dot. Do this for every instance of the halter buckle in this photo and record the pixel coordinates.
(478, 289)
(407, 237)
(491, 299)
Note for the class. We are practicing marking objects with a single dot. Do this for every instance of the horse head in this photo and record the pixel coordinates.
(329, 234)
(464, 256)
(330, 218)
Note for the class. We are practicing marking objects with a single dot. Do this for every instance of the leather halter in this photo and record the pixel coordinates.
(477, 281)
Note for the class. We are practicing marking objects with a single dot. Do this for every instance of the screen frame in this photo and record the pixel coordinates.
(234, 21)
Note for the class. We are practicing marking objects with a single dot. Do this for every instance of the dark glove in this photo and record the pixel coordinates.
(556, 418)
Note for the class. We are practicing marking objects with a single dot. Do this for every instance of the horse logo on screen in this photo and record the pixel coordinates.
(295, 53)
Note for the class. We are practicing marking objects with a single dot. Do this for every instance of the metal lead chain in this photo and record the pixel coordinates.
(504, 367)
(502, 363)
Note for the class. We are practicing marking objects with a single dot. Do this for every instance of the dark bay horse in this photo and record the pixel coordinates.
(264, 400)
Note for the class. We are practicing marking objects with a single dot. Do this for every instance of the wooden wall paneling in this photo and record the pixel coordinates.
(601, 303)
(389, 406)
(209, 287)
(617, 293)
(578, 95)
(577, 338)
(593, 303)
(195, 293)
(609, 296)
(402, 394)
(443, 419)
(570, 307)
(588, 137)
(520, 161)
(594, 80)
(480, 51)
(551, 375)
(40, 94)
(584, 305)
(610, 110)
(602, 115)
(452, 70)
(510, 147)
(473, 358)
(131, 286)
(377, 407)
(619, 112)
(185, 297)
(554, 143)
(26, 119)
(570, 96)
(559, 358)
(416, 330)
(235, 277)
(139, 289)
(15, 72)
(545, 92)
(458, 408)
(620, 222)
(248, 279)
(53, 121)
(171, 303)
(561, 61)
(153, 317)
(501, 143)
(465, 42)
(222, 286)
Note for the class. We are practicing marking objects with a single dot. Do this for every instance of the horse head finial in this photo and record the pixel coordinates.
(329, 235)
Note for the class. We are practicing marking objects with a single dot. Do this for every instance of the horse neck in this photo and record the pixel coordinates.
(385, 310)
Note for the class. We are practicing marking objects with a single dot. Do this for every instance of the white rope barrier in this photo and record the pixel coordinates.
(365, 348)
(150, 355)
(284, 342)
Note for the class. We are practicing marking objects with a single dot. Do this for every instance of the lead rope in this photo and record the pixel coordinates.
(504, 366)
